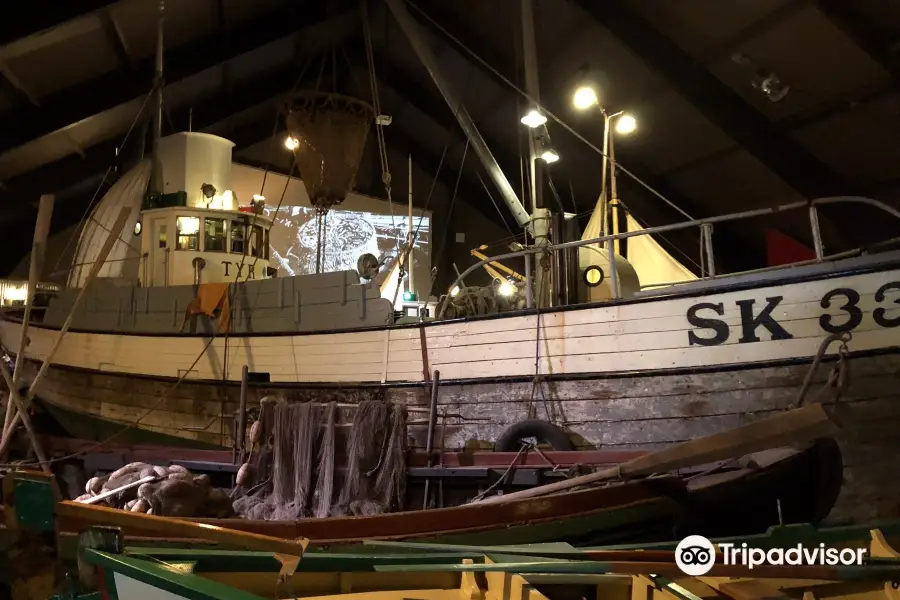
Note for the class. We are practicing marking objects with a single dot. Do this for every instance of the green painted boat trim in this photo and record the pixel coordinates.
(186, 585)
(779, 535)
(532, 549)
(874, 572)
(92, 428)
(213, 561)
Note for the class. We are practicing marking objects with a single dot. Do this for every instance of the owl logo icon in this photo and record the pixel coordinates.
(695, 555)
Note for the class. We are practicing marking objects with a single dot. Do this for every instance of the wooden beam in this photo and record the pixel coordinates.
(213, 109)
(16, 88)
(718, 103)
(851, 25)
(103, 93)
(117, 39)
(31, 18)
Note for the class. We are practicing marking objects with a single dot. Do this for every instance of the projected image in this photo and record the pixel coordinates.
(348, 235)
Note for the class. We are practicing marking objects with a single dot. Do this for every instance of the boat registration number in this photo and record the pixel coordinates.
(710, 331)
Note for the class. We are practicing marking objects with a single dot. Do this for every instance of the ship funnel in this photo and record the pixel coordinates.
(327, 134)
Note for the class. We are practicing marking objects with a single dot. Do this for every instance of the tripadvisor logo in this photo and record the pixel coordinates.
(695, 555)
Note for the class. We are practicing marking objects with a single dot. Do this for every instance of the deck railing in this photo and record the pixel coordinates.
(705, 226)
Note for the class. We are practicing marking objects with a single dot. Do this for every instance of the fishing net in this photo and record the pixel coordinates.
(301, 463)
(328, 133)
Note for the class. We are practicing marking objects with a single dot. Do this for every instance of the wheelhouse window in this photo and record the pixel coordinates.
(213, 235)
(161, 236)
(238, 237)
(187, 231)
(266, 244)
(256, 238)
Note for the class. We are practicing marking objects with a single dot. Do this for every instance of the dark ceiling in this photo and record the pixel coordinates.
(74, 81)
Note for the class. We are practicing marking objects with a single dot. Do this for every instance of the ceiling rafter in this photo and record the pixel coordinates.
(210, 111)
(79, 102)
(727, 110)
(32, 18)
(860, 34)
(718, 103)
(116, 38)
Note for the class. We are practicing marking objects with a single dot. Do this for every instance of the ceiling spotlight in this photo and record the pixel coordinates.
(533, 119)
(772, 86)
(549, 155)
(585, 97)
(626, 124)
(291, 143)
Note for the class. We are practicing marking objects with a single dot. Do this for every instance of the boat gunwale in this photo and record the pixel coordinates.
(504, 379)
(875, 263)
(637, 494)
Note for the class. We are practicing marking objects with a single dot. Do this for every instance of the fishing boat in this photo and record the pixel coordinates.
(106, 561)
(788, 487)
(173, 309)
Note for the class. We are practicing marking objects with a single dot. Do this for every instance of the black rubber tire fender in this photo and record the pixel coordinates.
(543, 431)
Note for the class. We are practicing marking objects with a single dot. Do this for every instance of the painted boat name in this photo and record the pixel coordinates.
(844, 299)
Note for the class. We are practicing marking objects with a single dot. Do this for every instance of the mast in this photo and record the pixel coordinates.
(529, 55)
(540, 216)
(410, 263)
(156, 183)
(423, 51)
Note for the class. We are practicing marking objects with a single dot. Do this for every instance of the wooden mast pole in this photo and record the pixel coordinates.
(111, 239)
(38, 248)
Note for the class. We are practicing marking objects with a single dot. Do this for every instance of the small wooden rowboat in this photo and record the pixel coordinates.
(110, 569)
(799, 486)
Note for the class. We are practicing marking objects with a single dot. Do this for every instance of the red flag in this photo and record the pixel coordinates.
(784, 250)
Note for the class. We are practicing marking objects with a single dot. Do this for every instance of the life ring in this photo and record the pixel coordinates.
(543, 431)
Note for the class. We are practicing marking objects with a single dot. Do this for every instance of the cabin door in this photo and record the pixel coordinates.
(160, 251)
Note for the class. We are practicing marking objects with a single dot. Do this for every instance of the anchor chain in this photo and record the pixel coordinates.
(839, 375)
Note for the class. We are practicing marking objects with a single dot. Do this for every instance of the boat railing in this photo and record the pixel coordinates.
(706, 246)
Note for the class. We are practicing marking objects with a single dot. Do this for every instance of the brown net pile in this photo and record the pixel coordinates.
(307, 465)
(329, 133)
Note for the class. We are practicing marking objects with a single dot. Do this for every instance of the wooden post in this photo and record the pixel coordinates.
(113, 236)
(14, 398)
(38, 248)
(432, 421)
(242, 414)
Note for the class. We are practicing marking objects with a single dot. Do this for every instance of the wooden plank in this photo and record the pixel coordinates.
(603, 339)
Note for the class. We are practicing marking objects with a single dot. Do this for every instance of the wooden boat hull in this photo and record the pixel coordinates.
(692, 405)
(636, 374)
(654, 509)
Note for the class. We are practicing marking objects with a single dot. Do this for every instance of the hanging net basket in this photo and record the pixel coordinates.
(327, 135)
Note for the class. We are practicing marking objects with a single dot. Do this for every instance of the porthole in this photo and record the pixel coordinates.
(593, 276)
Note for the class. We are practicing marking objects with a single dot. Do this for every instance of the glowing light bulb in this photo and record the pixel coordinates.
(584, 98)
(454, 292)
(506, 289)
(626, 124)
(549, 156)
(533, 119)
(291, 143)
